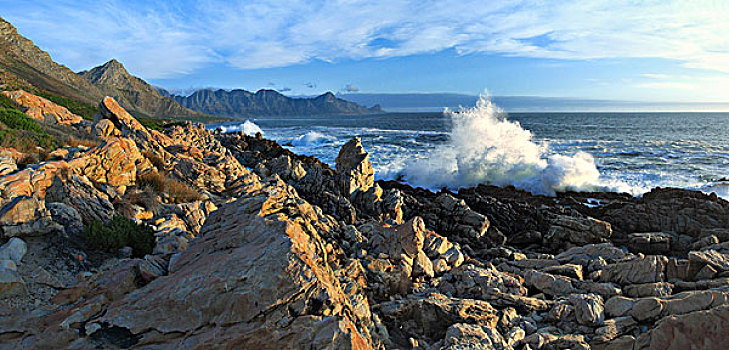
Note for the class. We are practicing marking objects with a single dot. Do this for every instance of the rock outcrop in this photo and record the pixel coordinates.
(41, 109)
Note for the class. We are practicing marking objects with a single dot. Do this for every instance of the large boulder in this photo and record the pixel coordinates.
(25, 216)
(257, 276)
(354, 167)
(41, 109)
(695, 330)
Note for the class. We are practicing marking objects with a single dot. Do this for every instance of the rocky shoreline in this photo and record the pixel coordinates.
(279, 250)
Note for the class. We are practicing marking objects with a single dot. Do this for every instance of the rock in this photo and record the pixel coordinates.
(614, 328)
(41, 109)
(706, 272)
(467, 336)
(354, 167)
(640, 270)
(651, 242)
(7, 165)
(194, 214)
(105, 128)
(114, 162)
(429, 317)
(11, 284)
(14, 250)
(588, 309)
(78, 193)
(581, 255)
(254, 270)
(548, 283)
(568, 270)
(657, 289)
(26, 216)
(695, 330)
(577, 230)
(711, 257)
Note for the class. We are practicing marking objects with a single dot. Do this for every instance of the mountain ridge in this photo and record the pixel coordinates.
(264, 102)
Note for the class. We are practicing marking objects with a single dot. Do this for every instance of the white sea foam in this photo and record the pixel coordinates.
(248, 127)
(485, 147)
(312, 138)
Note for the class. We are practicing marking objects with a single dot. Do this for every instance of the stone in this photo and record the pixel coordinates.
(41, 109)
(354, 167)
(695, 330)
(14, 250)
(548, 283)
(7, 165)
(105, 128)
(711, 257)
(657, 289)
(11, 284)
(25, 217)
(467, 336)
(78, 193)
(589, 309)
(114, 162)
(640, 270)
(577, 230)
(651, 242)
(568, 270)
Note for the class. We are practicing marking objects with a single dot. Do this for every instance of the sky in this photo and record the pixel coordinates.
(625, 50)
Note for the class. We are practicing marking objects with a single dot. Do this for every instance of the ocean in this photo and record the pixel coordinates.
(539, 152)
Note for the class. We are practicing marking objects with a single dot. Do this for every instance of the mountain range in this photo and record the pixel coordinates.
(242, 103)
(23, 65)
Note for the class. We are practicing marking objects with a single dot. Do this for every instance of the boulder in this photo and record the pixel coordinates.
(7, 165)
(14, 250)
(696, 330)
(259, 267)
(26, 216)
(588, 309)
(577, 230)
(78, 193)
(41, 109)
(354, 168)
(468, 336)
(649, 269)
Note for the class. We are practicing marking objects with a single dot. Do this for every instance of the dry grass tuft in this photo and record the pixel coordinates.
(180, 192)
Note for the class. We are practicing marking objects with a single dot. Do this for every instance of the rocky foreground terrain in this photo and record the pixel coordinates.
(275, 250)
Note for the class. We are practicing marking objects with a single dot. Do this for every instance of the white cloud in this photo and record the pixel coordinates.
(162, 39)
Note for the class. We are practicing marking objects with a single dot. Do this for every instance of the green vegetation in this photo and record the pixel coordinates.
(178, 191)
(118, 233)
(15, 119)
(21, 132)
(81, 109)
(6, 103)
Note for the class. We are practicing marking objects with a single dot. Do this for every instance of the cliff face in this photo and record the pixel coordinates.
(134, 93)
(242, 103)
(24, 65)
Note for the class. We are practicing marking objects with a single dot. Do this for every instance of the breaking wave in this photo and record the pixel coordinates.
(248, 127)
(312, 138)
(486, 148)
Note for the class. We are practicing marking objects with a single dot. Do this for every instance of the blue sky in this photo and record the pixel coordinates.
(629, 50)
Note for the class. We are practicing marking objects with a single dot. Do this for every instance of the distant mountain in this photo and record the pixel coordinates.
(242, 103)
(25, 66)
(434, 102)
(134, 93)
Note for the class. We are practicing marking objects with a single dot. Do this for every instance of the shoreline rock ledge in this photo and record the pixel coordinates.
(255, 247)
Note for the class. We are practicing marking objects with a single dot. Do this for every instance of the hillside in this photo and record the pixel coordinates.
(134, 93)
(242, 103)
(24, 65)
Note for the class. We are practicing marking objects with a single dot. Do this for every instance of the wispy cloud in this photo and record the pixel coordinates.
(162, 39)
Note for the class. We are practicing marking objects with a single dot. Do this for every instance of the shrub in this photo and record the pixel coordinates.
(84, 110)
(5, 102)
(180, 192)
(15, 119)
(119, 233)
(25, 141)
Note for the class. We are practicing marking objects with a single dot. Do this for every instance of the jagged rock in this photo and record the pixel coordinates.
(568, 270)
(614, 328)
(194, 214)
(105, 128)
(31, 181)
(468, 336)
(640, 270)
(577, 230)
(7, 165)
(80, 194)
(260, 273)
(115, 162)
(430, 316)
(26, 216)
(548, 283)
(14, 250)
(584, 254)
(695, 330)
(651, 308)
(651, 242)
(588, 309)
(657, 289)
(354, 167)
(41, 109)
(711, 257)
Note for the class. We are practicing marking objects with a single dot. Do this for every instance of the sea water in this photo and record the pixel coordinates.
(539, 152)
